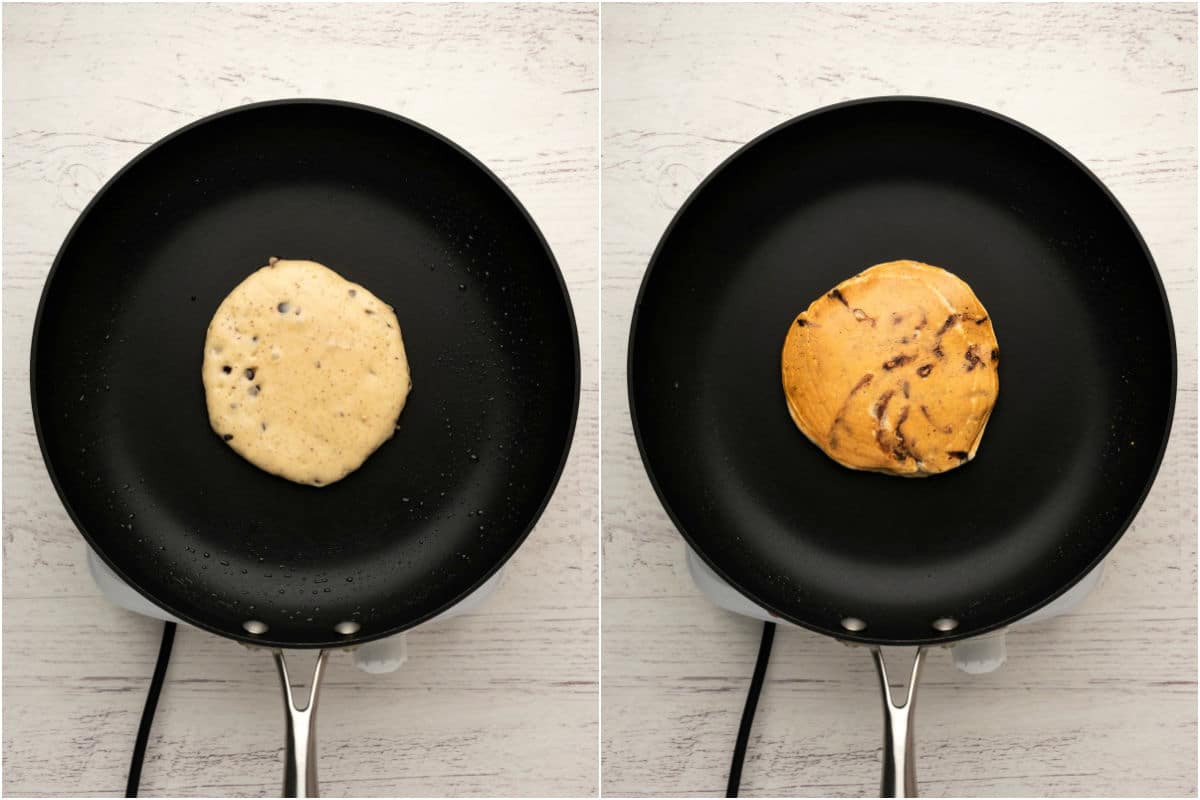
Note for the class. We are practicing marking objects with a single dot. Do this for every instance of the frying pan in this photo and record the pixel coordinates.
(1087, 381)
(120, 412)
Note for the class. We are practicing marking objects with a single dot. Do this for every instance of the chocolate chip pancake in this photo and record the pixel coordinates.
(304, 372)
(895, 370)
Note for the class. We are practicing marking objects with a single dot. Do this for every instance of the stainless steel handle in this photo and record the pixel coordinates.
(899, 763)
(300, 757)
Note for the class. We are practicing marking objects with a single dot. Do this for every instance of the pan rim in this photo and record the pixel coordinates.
(342, 641)
(960, 633)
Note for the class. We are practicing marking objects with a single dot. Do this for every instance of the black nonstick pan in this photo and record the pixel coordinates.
(120, 410)
(1087, 376)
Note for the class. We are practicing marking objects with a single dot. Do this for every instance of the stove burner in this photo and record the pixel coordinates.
(976, 656)
(377, 657)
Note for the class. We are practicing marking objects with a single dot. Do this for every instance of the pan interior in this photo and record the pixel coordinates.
(486, 324)
(1086, 386)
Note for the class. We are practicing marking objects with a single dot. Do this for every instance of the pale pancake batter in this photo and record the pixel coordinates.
(895, 370)
(304, 372)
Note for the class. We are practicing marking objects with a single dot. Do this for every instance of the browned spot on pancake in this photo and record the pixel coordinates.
(961, 455)
(897, 361)
(972, 357)
(924, 370)
(836, 294)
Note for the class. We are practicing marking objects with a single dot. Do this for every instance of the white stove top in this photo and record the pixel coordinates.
(976, 656)
(379, 656)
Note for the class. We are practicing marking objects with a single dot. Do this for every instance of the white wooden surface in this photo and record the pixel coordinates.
(503, 701)
(1100, 703)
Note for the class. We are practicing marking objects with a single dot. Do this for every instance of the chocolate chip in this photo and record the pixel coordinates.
(937, 351)
(905, 389)
(948, 324)
(228, 437)
(283, 308)
(961, 455)
(897, 361)
(972, 357)
(352, 293)
(995, 354)
(227, 369)
(924, 370)
(882, 403)
(981, 320)
(249, 373)
(801, 322)
(863, 381)
(837, 295)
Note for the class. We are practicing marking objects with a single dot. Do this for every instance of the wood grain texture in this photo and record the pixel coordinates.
(502, 701)
(1102, 702)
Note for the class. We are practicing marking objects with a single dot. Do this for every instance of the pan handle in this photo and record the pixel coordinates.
(300, 757)
(899, 763)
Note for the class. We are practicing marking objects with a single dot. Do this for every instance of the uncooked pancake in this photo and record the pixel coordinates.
(304, 372)
(895, 370)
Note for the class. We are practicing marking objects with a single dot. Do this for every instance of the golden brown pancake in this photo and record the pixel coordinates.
(304, 372)
(894, 370)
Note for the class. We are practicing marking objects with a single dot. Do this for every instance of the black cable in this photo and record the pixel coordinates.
(143, 734)
(756, 683)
